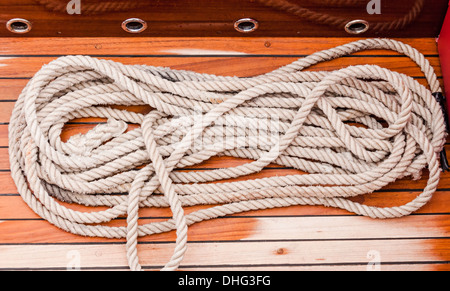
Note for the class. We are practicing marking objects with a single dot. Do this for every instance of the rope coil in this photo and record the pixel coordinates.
(352, 131)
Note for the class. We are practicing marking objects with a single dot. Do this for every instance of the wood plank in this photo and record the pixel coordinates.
(402, 184)
(189, 46)
(216, 18)
(3, 135)
(10, 89)
(4, 159)
(387, 267)
(234, 228)
(12, 207)
(292, 238)
(237, 254)
(7, 183)
(14, 67)
(6, 109)
(411, 267)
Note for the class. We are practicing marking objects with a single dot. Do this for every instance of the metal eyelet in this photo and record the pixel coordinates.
(246, 25)
(134, 25)
(18, 25)
(357, 27)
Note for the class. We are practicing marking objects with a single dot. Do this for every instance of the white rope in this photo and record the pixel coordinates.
(352, 131)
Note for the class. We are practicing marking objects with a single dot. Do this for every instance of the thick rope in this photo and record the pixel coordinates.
(352, 131)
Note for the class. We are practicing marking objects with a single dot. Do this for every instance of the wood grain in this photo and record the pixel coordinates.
(182, 46)
(20, 67)
(293, 238)
(207, 18)
(248, 254)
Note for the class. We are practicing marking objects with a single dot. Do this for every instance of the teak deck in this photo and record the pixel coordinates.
(294, 238)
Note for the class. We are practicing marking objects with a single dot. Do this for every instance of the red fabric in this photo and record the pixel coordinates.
(444, 55)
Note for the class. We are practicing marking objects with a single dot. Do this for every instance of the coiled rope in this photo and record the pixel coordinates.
(352, 131)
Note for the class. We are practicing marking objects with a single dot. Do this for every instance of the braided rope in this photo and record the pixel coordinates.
(301, 119)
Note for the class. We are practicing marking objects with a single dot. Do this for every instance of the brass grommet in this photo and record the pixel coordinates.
(357, 26)
(18, 25)
(246, 25)
(134, 25)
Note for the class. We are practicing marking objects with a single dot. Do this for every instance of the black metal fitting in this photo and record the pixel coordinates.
(442, 100)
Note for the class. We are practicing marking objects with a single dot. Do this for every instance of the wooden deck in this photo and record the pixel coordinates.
(294, 238)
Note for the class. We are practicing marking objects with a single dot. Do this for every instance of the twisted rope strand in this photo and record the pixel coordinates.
(351, 131)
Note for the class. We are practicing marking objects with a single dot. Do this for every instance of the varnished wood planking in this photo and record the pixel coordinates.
(401, 18)
(19, 67)
(263, 253)
(318, 224)
(3, 135)
(4, 159)
(189, 46)
(10, 89)
(249, 228)
(6, 109)
(211, 163)
(12, 207)
(7, 105)
(415, 266)
(9, 187)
